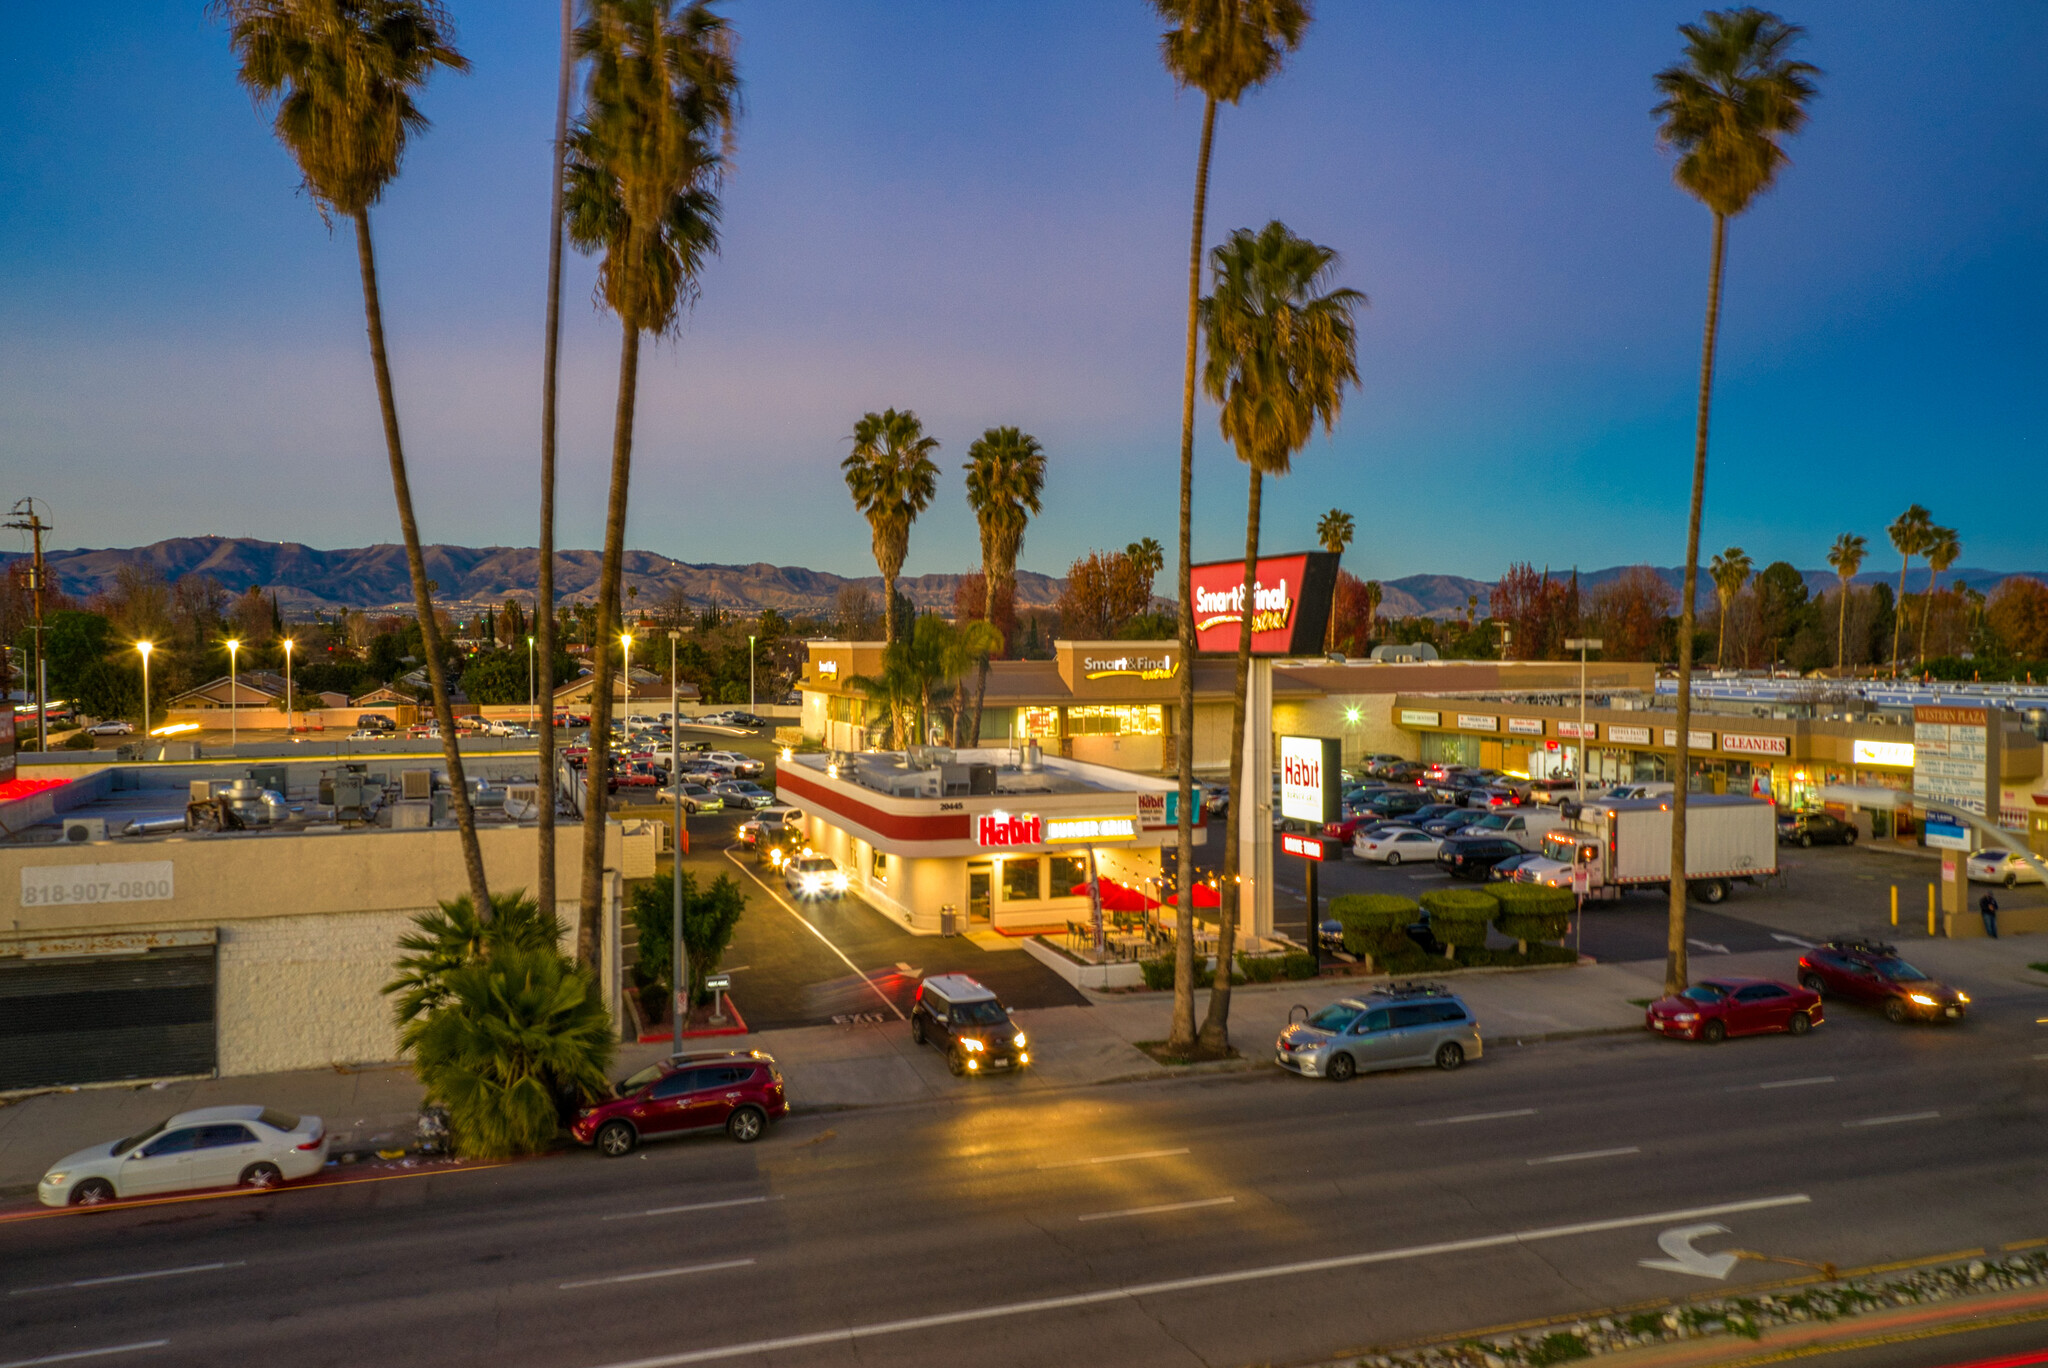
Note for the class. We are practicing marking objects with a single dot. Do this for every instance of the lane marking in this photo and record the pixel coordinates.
(1783, 1083)
(643, 1277)
(1478, 1116)
(127, 1277)
(1157, 1210)
(1894, 1120)
(1708, 945)
(741, 866)
(1133, 1291)
(309, 1185)
(77, 1354)
(1114, 1158)
(1588, 1154)
(1794, 940)
(693, 1206)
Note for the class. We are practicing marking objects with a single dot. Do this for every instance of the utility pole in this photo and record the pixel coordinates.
(1582, 645)
(26, 519)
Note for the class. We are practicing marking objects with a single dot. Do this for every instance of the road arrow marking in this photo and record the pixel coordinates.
(1792, 940)
(1677, 1242)
(1707, 945)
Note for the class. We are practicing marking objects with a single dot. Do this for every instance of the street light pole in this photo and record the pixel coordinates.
(626, 640)
(234, 699)
(288, 643)
(532, 717)
(145, 647)
(750, 675)
(1582, 645)
(678, 1006)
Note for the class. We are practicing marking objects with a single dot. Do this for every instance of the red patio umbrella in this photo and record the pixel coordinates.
(1205, 896)
(1118, 897)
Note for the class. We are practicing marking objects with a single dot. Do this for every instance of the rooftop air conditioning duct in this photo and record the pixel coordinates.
(77, 829)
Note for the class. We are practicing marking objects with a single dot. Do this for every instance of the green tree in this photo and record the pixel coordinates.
(1005, 476)
(710, 916)
(891, 477)
(1727, 108)
(1222, 48)
(1730, 570)
(1781, 596)
(1942, 549)
(1846, 558)
(1909, 532)
(644, 169)
(453, 937)
(341, 76)
(1282, 349)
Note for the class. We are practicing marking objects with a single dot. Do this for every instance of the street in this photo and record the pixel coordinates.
(1240, 1218)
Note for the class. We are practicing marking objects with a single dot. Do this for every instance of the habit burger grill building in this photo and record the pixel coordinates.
(1000, 837)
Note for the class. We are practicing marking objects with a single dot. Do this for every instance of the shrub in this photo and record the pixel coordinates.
(1159, 973)
(1532, 912)
(710, 916)
(1375, 924)
(1298, 964)
(1259, 968)
(1459, 916)
(80, 740)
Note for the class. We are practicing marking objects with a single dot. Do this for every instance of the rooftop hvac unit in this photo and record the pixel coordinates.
(85, 829)
(416, 783)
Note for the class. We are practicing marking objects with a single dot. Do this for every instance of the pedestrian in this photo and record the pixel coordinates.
(1987, 906)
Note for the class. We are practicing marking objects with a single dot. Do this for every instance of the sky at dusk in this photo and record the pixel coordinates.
(979, 210)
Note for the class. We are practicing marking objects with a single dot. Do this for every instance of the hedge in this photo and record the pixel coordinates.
(1533, 912)
(1295, 964)
(1459, 916)
(1375, 924)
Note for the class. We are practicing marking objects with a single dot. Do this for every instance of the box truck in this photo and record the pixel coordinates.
(1626, 843)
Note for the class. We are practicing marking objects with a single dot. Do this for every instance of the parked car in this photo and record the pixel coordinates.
(1472, 857)
(1815, 828)
(1491, 797)
(376, 722)
(1215, 798)
(2001, 866)
(1715, 1009)
(814, 876)
(637, 774)
(696, 798)
(954, 1013)
(1552, 790)
(1405, 844)
(745, 719)
(738, 1092)
(745, 766)
(743, 793)
(1524, 827)
(1397, 802)
(112, 726)
(213, 1147)
(1513, 865)
(1396, 1027)
(1451, 822)
(1872, 972)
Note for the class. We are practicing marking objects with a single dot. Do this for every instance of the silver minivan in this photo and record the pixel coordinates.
(1399, 1026)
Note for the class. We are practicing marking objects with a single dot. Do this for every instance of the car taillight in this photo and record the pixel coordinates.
(314, 1143)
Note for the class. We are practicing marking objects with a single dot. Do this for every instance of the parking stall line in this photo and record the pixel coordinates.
(127, 1277)
(651, 1274)
(1587, 1154)
(1893, 1120)
(1159, 1210)
(693, 1206)
(77, 1354)
(1114, 1158)
(1478, 1116)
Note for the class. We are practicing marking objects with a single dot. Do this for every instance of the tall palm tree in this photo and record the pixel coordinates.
(544, 586)
(1846, 556)
(341, 76)
(1005, 476)
(645, 162)
(1730, 570)
(891, 477)
(1222, 48)
(1727, 108)
(1909, 533)
(1283, 348)
(1942, 549)
(1335, 531)
(1148, 558)
(1375, 595)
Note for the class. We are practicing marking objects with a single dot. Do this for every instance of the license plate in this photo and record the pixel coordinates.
(1001, 1063)
(1955, 1011)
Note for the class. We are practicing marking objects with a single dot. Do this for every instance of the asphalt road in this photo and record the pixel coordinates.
(1230, 1219)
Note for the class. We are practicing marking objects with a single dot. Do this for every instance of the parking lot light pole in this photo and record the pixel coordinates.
(1582, 645)
(678, 1008)
(750, 675)
(626, 640)
(145, 647)
(532, 717)
(288, 644)
(234, 701)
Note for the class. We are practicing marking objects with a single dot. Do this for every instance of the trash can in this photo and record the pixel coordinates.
(949, 920)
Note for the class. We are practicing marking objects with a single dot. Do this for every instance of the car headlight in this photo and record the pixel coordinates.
(811, 884)
(971, 1045)
(1962, 997)
(1018, 1040)
(55, 1179)
(839, 882)
(1922, 999)
(1686, 1016)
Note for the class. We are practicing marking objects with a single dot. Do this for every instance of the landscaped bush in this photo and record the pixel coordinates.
(1159, 973)
(1532, 912)
(1298, 964)
(1375, 924)
(1459, 916)
(1259, 968)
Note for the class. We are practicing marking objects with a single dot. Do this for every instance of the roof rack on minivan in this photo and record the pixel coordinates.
(1411, 989)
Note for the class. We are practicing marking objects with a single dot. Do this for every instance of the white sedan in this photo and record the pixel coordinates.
(214, 1147)
(1395, 845)
(112, 726)
(1542, 870)
(2001, 867)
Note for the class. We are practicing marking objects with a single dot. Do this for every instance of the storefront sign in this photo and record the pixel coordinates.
(827, 669)
(1009, 829)
(64, 885)
(1945, 832)
(1290, 604)
(1694, 740)
(1526, 726)
(1308, 778)
(1738, 744)
(1950, 755)
(1883, 753)
(1629, 736)
(1156, 810)
(1059, 829)
(1478, 722)
(1128, 667)
(1584, 731)
(1416, 717)
(1308, 847)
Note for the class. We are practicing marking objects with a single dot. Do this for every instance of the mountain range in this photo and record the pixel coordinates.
(306, 580)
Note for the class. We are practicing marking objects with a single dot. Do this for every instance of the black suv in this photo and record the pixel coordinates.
(1816, 828)
(959, 1016)
(1472, 857)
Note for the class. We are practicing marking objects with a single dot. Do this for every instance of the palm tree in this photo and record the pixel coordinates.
(453, 937)
(1726, 110)
(1282, 351)
(1909, 533)
(341, 75)
(1730, 570)
(1005, 476)
(1942, 549)
(1375, 595)
(1846, 556)
(544, 588)
(891, 477)
(1148, 558)
(1335, 531)
(1222, 48)
(645, 161)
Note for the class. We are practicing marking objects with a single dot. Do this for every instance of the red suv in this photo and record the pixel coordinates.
(738, 1091)
(1871, 971)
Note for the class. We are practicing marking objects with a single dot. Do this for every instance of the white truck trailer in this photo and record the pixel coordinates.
(1627, 843)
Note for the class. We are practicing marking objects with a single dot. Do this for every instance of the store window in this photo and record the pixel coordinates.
(1020, 879)
(844, 708)
(1447, 749)
(1115, 720)
(1038, 722)
(879, 866)
(1068, 872)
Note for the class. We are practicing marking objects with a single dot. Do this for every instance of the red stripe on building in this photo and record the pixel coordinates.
(896, 826)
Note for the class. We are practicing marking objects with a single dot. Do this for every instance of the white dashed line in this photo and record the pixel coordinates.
(126, 1277)
(1784, 1083)
(1114, 1158)
(658, 1273)
(1588, 1154)
(694, 1206)
(1893, 1120)
(1157, 1210)
(78, 1354)
(1478, 1116)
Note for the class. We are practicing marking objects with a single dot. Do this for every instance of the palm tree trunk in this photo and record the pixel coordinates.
(596, 767)
(1721, 647)
(1926, 612)
(416, 564)
(1675, 970)
(544, 588)
(1215, 1037)
(888, 611)
(988, 612)
(1181, 1038)
(1842, 631)
(1899, 611)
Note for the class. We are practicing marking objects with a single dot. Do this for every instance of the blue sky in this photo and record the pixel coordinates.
(979, 211)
